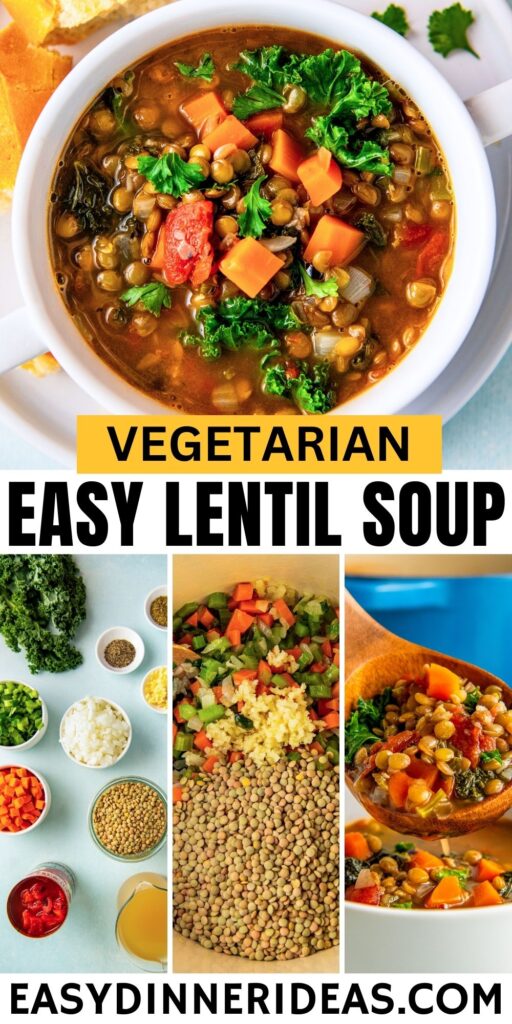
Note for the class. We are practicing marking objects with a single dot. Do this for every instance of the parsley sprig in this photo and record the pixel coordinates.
(257, 211)
(318, 288)
(205, 69)
(447, 30)
(394, 17)
(170, 174)
(154, 297)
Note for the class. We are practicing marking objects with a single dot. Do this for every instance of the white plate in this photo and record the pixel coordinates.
(44, 412)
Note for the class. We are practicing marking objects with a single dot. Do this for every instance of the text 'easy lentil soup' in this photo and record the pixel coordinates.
(430, 743)
(252, 220)
(382, 869)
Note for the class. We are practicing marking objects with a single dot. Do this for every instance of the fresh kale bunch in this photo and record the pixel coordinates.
(42, 603)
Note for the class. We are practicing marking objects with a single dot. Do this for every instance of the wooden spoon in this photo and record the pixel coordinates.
(376, 658)
(181, 653)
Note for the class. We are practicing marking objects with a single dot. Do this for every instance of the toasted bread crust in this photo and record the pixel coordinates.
(67, 21)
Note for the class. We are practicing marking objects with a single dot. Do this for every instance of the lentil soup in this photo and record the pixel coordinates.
(428, 744)
(238, 227)
(383, 869)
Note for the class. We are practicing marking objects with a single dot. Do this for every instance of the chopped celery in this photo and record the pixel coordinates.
(198, 642)
(249, 661)
(211, 714)
(424, 160)
(217, 600)
(293, 755)
(187, 609)
(184, 741)
(305, 659)
(301, 629)
(277, 680)
(332, 674)
(218, 646)
(187, 711)
(319, 690)
(333, 630)
(433, 804)
(439, 188)
(177, 623)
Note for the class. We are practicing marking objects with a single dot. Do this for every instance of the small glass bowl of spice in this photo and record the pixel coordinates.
(155, 607)
(120, 650)
(154, 689)
(128, 818)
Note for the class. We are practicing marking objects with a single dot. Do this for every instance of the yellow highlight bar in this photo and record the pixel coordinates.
(259, 444)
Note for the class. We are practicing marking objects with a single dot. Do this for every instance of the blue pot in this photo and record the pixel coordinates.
(470, 618)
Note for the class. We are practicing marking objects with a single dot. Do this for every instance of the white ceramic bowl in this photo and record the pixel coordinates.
(159, 711)
(120, 633)
(48, 325)
(37, 737)
(47, 797)
(379, 940)
(156, 592)
(97, 767)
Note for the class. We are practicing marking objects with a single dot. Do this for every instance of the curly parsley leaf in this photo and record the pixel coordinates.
(319, 288)
(473, 698)
(154, 297)
(394, 17)
(447, 30)
(205, 69)
(170, 174)
(271, 65)
(490, 755)
(259, 97)
(240, 321)
(257, 211)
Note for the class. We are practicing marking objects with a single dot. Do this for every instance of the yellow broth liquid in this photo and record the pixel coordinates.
(159, 364)
(142, 925)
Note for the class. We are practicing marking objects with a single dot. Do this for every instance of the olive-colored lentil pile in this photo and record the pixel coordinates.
(256, 860)
(129, 818)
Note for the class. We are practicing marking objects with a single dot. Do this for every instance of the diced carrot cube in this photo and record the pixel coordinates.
(425, 859)
(335, 236)
(205, 111)
(287, 155)
(250, 265)
(488, 869)
(442, 683)
(485, 895)
(356, 845)
(321, 176)
(243, 592)
(447, 893)
(398, 788)
(418, 769)
(230, 131)
(265, 123)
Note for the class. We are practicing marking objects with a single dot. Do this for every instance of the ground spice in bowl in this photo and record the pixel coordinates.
(119, 653)
(129, 818)
(158, 610)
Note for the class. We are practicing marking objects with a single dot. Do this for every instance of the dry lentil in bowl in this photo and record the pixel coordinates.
(430, 743)
(256, 860)
(128, 819)
(265, 230)
(384, 870)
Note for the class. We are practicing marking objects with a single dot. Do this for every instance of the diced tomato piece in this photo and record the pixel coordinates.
(466, 737)
(327, 649)
(318, 666)
(264, 672)
(193, 620)
(267, 620)
(415, 234)
(188, 247)
(369, 894)
(262, 689)
(158, 257)
(432, 255)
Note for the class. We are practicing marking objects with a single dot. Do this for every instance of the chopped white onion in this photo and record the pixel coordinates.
(195, 724)
(208, 699)
(225, 398)
(365, 878)
(278, 242)
(324, 342)
(228, 690)
(94, 732)
(393, 216)
(402, 175)
(359, 287)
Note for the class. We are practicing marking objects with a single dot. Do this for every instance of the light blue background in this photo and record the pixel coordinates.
(116, 591)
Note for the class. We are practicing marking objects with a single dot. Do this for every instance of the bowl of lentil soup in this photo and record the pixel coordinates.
(307, 383)
(404, 876)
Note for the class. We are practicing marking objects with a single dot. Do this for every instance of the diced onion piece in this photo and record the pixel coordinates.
(324, 342)
(225, 398)
(402, 175)
(278, 242)
(208, 699)
(228, 690)
(360, 286)
(195, 724)
(365, 879)
(94, 732)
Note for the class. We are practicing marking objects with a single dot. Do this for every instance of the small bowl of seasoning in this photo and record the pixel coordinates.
(154, 689)
(120, 650)
(156, 607)
(128, 818)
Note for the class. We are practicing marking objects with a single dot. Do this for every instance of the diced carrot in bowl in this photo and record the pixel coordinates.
(398, 788)
(265, 123)
(447, 893)
(205, 111)
(230, 130)
(488, 869)
(356, 845)
(250, 265)
(337, 237)
(425, 859)
(287, 155)
(485, 895)
(321, 176)
(441, 682)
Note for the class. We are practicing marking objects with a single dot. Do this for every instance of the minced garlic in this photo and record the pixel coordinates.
(155, 688)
